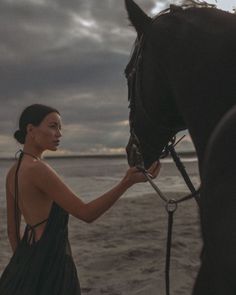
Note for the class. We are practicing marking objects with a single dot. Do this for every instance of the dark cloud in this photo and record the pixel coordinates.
(71, 55)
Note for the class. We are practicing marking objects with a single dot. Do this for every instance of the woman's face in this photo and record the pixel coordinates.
(47, 135)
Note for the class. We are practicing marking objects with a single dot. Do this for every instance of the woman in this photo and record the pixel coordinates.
(42, 262)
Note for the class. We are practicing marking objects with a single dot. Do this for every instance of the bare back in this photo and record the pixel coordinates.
(33, 203)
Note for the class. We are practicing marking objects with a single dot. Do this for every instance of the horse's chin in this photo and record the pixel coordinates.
(148, 161)
(150, 154)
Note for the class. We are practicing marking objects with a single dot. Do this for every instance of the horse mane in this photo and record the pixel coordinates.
(185, 5)
(196, 3)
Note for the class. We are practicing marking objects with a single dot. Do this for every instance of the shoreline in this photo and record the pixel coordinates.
(184, 155)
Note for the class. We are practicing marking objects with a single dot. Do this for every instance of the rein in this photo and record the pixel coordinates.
(171, 205)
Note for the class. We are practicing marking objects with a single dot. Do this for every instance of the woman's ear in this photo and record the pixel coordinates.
(30, 130)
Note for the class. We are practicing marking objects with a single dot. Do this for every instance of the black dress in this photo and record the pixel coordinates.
(43, 267)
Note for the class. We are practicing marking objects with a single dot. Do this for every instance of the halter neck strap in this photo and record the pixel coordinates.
(17, 209)
(26, 153)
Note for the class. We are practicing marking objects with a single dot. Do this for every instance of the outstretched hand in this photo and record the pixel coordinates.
(135, 175)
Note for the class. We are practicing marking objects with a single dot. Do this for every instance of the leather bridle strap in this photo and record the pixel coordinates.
(171, 206)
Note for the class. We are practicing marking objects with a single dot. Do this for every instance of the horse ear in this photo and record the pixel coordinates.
(137, 17)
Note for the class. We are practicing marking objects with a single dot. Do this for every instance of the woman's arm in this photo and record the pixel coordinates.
(11, 222)
(47, 180)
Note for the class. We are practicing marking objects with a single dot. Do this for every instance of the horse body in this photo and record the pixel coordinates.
(185, 78)
(218, 207)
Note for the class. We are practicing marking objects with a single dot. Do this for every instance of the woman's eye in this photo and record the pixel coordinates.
(55, 126)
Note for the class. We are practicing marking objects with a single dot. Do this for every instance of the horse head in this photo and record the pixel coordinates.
(154, 117)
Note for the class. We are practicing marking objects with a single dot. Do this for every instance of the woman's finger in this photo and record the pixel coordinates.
(154, 171)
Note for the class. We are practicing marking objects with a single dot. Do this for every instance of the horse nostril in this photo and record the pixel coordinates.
(134, 148)
(134, 156)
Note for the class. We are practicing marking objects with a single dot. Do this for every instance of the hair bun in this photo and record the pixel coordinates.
(19, 136)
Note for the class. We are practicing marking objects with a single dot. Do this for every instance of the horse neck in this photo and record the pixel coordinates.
(201, 118)
(199, 61)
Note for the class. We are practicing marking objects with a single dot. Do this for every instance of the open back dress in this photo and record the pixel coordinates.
(45, 266)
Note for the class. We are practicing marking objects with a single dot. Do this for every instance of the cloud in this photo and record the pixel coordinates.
(71, 55)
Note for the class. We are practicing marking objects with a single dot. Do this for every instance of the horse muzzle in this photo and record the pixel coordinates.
(134, 154)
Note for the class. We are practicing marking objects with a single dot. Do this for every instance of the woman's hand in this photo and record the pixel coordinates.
(134, 175)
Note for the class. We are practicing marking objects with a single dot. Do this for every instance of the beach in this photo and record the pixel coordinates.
(123, 252)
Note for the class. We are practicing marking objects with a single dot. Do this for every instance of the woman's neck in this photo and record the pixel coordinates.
(32, 152)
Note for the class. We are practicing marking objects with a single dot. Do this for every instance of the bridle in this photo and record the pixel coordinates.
(135, 151)
(134, 85)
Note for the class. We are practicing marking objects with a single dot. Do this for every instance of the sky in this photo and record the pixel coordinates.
(70, 55)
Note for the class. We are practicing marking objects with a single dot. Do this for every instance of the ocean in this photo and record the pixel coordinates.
(90, 176)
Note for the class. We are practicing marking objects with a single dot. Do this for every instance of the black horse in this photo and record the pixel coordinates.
(182, 75)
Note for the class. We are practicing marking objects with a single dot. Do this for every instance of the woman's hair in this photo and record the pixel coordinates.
(33, 114)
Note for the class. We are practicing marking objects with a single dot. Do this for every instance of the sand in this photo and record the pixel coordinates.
(123, 253)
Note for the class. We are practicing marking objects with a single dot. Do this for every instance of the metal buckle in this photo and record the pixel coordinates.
(171, 206)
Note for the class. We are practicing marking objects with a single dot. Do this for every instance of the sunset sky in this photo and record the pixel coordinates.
(70, 55)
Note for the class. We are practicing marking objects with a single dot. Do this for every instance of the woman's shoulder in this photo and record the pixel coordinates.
(40, 166)
(41, 169)
(30, 170)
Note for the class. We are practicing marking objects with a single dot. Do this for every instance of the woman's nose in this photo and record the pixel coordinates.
(59, 133)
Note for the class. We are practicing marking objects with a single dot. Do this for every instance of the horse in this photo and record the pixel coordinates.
(182, 75)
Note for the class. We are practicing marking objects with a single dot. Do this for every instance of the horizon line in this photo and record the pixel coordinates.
(123, 155)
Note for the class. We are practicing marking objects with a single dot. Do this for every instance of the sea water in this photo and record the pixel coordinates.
(90, 177)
